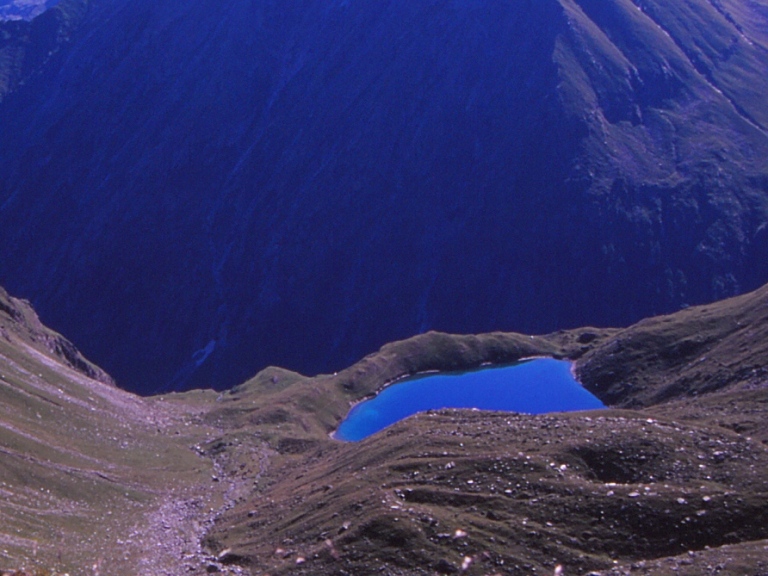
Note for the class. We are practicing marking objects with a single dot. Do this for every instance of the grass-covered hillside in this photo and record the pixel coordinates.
(670, 478)
(94, 480)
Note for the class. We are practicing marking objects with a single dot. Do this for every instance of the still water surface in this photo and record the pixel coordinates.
(532, 387)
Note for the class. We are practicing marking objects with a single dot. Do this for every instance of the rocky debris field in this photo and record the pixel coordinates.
(482, 493)
(750, 559)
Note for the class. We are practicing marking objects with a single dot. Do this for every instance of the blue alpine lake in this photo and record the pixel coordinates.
(532, 387)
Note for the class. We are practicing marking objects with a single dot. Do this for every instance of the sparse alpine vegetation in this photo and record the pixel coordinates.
(98, 481)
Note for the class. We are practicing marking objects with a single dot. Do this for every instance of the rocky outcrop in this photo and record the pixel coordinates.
(27, 46)
(23, 9)
(20, 323)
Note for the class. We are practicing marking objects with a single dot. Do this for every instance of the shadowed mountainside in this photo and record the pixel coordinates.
(249, 481)
(317, 178)
(26, 47)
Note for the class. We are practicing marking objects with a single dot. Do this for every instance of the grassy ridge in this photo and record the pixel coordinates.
(693, 352)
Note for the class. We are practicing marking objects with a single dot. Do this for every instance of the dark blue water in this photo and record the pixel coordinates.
(532, 387)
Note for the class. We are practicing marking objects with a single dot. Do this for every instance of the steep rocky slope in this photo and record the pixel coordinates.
(26, 47)
(316, 178)
(93, 480)
(96, 480)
